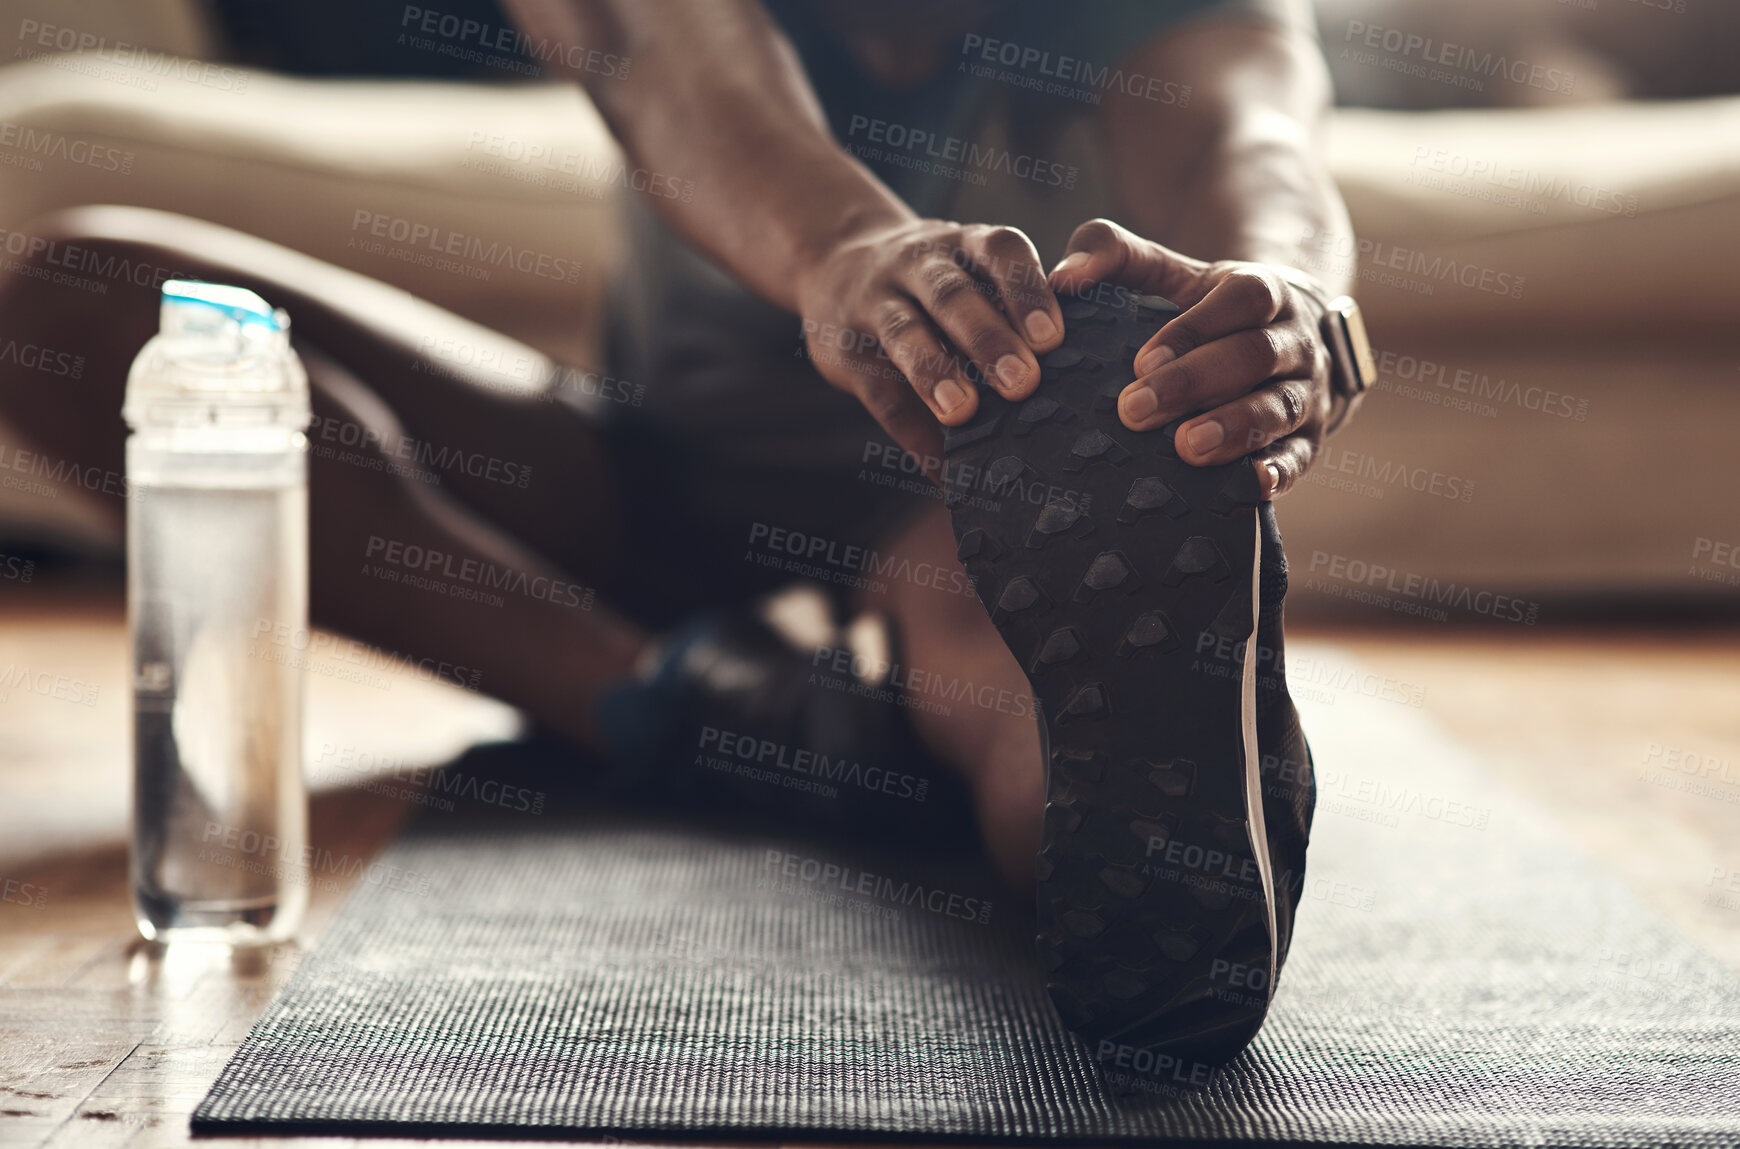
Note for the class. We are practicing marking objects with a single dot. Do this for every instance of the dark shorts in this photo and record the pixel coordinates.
(743, 469)
(700, 530)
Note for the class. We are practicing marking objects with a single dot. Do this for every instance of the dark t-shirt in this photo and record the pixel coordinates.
(1048, 60)
(1054, 59)
(737, 430)
(981, 139)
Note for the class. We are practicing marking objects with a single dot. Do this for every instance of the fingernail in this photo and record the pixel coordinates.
(1041, 328)
(1205, 437)
(949, 395)
(1273, 482)
(1011, 372)
(1140, 404)
(1154, 359)
(1075, 261)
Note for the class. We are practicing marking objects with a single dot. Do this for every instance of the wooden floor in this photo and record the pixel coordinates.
(105, 1040)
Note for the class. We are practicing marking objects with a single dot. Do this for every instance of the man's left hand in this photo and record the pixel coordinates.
(1247, 351)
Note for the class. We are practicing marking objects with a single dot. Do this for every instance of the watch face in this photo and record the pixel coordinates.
(1358, 344)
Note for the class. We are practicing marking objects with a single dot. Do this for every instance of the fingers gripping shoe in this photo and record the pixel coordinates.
(1142, 596)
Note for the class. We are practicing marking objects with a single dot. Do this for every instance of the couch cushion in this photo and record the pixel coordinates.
(1570, 220)
(493, 200)
(1535, 471)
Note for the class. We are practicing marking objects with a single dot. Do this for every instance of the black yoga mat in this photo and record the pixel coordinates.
(1461, 977)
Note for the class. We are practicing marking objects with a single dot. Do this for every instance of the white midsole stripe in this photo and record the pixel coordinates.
(1253, 752)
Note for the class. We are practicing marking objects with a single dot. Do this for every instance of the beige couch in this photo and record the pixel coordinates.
(1552, 290)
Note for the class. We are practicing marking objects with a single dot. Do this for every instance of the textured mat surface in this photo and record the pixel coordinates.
(1460, 977)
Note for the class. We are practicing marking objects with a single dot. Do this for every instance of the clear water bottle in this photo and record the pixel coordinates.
(217, 574)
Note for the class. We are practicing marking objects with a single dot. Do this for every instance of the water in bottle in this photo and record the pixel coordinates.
(217, 569)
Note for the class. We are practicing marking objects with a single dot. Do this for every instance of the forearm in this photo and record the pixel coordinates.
(716, 95)
(1237, 173)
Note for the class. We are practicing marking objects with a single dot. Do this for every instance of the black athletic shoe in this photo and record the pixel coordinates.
(737, 716)
(1142, 596)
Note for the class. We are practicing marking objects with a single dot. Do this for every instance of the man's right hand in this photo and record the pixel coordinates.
(893, 314)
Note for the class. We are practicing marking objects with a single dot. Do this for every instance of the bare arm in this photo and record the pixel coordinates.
(1233, 176)
(716, 94)
(1241, 175)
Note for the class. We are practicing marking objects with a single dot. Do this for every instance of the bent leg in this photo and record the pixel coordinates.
(992, 738)
(529, 644)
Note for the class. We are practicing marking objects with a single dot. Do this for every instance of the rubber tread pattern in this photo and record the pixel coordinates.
(1120, 578)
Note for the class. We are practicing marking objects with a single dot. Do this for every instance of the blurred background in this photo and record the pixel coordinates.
(1544, 191)
(1531, 530)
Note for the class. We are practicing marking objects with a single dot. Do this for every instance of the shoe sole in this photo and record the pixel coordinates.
(1125, 583)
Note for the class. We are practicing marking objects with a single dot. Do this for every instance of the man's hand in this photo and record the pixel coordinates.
(1247, 352)
(895, 314)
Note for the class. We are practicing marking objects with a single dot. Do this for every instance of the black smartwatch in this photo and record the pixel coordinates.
(1352, 367)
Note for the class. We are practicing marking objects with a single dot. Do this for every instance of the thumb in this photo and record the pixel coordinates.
(1101, 251)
